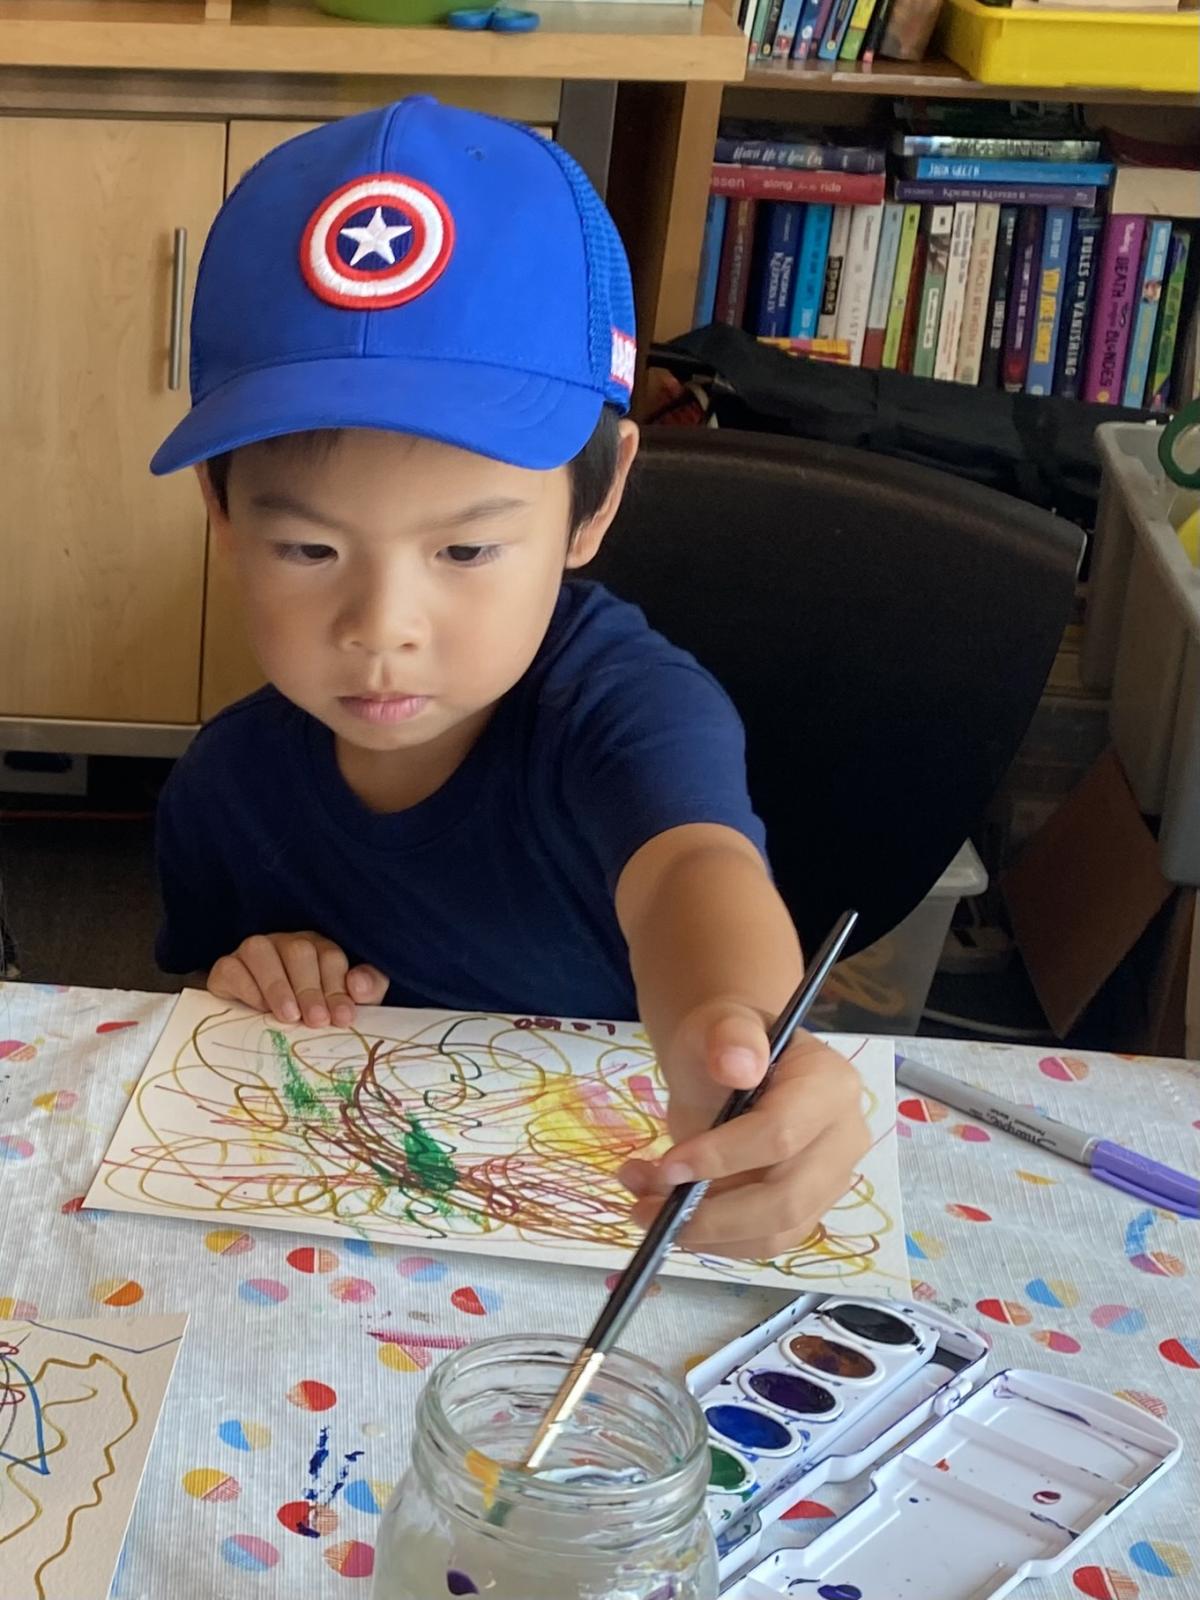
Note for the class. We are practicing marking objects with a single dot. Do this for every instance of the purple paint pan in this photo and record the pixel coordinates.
(793, 1393)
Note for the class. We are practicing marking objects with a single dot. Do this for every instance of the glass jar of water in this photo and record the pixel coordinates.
(616, 1512)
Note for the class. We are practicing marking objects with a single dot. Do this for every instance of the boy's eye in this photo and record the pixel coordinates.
(304, 554)
(470, 555)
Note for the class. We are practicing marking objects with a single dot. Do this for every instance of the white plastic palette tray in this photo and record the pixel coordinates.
(984, 1487)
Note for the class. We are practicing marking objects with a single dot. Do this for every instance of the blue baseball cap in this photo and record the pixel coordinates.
(418, 269)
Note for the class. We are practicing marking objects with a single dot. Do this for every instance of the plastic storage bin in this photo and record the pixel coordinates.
(884, 988)
(1073, 49)
(1141, 641)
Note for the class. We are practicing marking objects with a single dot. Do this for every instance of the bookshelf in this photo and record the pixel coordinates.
(856, 96)
(936, 79)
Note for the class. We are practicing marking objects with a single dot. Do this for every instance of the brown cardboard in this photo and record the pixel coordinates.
(1083, 891)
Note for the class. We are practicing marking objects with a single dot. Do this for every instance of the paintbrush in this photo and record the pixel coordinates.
(630, 1287)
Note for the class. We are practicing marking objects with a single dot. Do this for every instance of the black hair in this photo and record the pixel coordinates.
(592, 471)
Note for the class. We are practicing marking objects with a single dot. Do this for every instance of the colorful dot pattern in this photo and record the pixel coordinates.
(293, 1334)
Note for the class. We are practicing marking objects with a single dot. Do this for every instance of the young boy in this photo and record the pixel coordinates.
(470, 785)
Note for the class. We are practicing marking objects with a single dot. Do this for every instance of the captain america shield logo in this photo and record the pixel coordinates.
(377, 242)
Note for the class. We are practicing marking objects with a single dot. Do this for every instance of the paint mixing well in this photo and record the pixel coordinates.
(948, 1490)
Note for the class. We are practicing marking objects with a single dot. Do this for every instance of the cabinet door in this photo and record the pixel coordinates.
(230, 669)
(101, 566)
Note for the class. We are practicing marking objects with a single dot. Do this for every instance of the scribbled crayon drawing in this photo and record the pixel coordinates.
(481, 1133)
(78, 1406)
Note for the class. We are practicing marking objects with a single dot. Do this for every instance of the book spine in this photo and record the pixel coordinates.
(814, 19)
(993, 346)
(839, 21)
(1048, 301)
(772, 27)
(775, 183)
(1163, 361)
(1141, 340)
(758, 35)
(854, 301)
(1077, 307)
(860, 21)
(941, 231)
(1002, 194)
(898, 301)
(1119, 260)
(798, 155)
(955, 297)
(835, 266)
(710, 260)
(1019, 325)
(785, 35)
(875, 32)
(778, 269)
(979, 281)
(912, 304)
(810, 271)
(881, 284)
(939, 169)
(950, 144)
(733, 281)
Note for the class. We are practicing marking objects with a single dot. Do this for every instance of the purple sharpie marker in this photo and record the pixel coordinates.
(1112, 1163)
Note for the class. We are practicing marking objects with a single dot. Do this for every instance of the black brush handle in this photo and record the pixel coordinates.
(685, 1197)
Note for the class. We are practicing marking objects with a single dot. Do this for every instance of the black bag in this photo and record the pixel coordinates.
(1039, 448)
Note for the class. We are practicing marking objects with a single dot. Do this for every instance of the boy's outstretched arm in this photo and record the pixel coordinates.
(715, 958)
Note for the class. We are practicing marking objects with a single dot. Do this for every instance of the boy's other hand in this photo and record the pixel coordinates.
(777, 1168)
(297, 977)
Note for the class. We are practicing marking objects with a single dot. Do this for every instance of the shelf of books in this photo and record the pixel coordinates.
(1048, 265)
(1097, 51)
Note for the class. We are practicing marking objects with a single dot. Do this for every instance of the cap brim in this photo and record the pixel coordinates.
(527, 421)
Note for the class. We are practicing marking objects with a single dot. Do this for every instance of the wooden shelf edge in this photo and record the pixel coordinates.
(939, 79)
(625, 42)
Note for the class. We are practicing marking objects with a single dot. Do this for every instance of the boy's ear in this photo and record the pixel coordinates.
(588, 538)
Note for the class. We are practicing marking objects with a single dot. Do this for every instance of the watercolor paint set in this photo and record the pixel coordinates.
(953, 1485)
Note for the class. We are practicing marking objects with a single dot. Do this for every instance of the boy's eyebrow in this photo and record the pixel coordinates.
(287, 505)
(481, 511)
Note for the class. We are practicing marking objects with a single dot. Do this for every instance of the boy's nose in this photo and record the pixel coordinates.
(381, 624)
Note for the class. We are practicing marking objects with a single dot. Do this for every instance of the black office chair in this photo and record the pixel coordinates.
(884, 630)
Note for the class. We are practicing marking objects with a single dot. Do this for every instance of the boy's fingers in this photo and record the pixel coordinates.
(263, 962)
(231, 980)
(770, 1217)
(367, 985)
(303, 969)
(736, 1049)
(807, 1097)
(333, 968)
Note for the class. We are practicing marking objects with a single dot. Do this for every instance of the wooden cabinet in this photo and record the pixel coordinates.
(101, 566)
(230, 669)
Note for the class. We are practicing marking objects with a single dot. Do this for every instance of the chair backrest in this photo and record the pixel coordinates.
(884, 629)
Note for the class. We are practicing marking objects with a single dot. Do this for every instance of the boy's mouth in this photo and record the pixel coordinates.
(384, 708)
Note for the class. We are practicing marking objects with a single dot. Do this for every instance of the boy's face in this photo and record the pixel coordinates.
(396, 588)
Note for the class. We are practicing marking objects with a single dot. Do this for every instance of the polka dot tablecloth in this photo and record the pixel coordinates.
(291, 1411)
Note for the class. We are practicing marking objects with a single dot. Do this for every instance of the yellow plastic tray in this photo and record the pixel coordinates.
(1074, 49)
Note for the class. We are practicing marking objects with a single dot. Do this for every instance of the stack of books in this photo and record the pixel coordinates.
(843, 31)
(1033, 265)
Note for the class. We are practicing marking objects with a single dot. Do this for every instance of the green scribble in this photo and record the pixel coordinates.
(344, 1084)
(302, 1098)
(428, 1163)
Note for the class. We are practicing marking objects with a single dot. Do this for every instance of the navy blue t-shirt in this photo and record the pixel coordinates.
(496, 892)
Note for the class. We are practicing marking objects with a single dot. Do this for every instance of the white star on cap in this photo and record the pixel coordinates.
(375, 239)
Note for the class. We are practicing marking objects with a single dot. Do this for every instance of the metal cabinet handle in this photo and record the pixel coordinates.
(178, 280)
